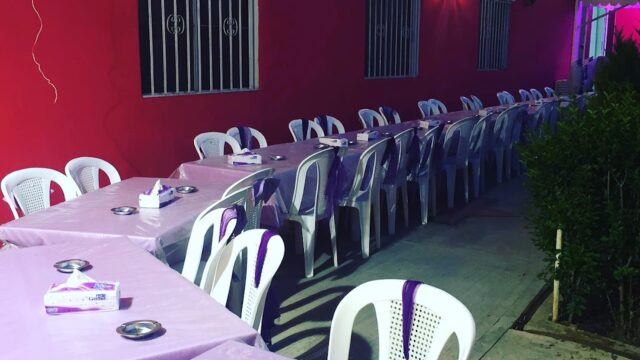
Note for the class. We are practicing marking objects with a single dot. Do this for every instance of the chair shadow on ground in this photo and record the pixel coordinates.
(359, 345)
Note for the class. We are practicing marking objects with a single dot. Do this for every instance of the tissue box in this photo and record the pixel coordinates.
(84, 295)
(368, 135)
(483, 112)
(150, 200)
(244, 159)
(342, 142)
(426, 124)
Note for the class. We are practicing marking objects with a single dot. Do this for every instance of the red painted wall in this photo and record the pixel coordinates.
(311, 61)
(628, 21)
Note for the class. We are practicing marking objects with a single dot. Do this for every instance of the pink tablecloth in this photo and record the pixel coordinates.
(194, 322)
(88, 218)
(233, 350)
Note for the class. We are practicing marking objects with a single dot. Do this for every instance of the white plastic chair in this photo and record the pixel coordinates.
(501, 138)
(84, 171)
(403, 140)
(213, 143)
(550, 92)
(195, 269)
(505, 98)
(296, 129)
(254, 294)
(331, 124)
(234, 132)
(30, 189)
(477, 149)
(253, 207)
(458, 158)
(436, 316)
(477, 101)
(390, 115)
(525, 95)
(431, 107)
(512, 157)
(467, 104)
(365, 193)
(369, 118)
(537, 95)
(423, 174)
(318, 164)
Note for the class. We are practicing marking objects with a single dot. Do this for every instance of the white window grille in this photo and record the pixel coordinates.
(494, 34)
(197, 46)
(391, 46)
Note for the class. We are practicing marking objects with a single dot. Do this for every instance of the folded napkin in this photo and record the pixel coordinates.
(82, 293)
(245, 157)
(156, 197)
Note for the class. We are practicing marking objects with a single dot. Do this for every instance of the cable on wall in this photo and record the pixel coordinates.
(33, 54)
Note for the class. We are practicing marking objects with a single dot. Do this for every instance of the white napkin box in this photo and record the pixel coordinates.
(156, 198)
(244, 159)
(341, 142)
(483, 112)
(82, 293)
(368, 135)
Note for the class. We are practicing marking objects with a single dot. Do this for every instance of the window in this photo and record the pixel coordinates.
(197, 46)
(598, 40)
(494, 34)
(392, 29)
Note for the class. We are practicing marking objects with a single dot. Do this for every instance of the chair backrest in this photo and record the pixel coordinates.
(249, 133)
(525, 95)
(517, 121)
(477, 101)
(368, 172)
(84, 171)
(467, 104)
(301, 129)
(212, 144)
(370, 118)
(436, 315)
(390, 115)
(478, 139)
(460, 130)
(265, 251)
(503, 127)
(427, 149)
(30, 189)
(211, 221)
(328, 123)
(534, 122)
(403, 141)
(432, 107)
(505, 98)
(254, 206)
(550, 92)
(550, 115)
(537, 95)
(319, 162)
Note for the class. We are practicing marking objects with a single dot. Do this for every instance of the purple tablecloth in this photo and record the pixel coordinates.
(233, 350)
(88, 218)
(194, 322)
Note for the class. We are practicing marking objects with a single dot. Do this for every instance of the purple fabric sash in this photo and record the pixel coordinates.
(413, 152)
(408, 298)
(305, 129)
(388, 114)
(235, 212)
(264, 188)
(391, 156)
(245, 137)
(262, 254)
(324, 123)
(335, 180)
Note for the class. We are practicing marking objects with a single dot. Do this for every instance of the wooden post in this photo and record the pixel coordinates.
(556, 283)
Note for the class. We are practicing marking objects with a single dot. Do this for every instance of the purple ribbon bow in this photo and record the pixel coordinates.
(391, 156)
(413, 152)
(324, 123)
(305, 129)
(335, 178)
(408, 298)
(264, 188)
(387, 112)
(245, 137)
(235, 212)
(262, 254)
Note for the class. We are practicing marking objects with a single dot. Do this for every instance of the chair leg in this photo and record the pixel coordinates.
(390, 194)
(499, 156)
(376, 217)
(507, 163)
(405, 203)
(309, 244)
(432, 189)
(465, 176)
(332, 233)
(423, 185)
(475, 172)
(364, 213)
(451, 185)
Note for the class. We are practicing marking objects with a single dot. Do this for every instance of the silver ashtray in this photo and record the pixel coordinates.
(123, 210)
(321, 146)
(278, 157)
(67, 266)
(139, 329)
(186, 189)
(352, 142)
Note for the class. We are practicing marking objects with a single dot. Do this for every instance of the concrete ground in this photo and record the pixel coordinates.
(480, 253)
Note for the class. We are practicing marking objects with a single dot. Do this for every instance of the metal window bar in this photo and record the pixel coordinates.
(493, 44)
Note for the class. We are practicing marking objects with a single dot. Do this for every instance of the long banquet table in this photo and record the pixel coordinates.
(88, 217)
(194, 323)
